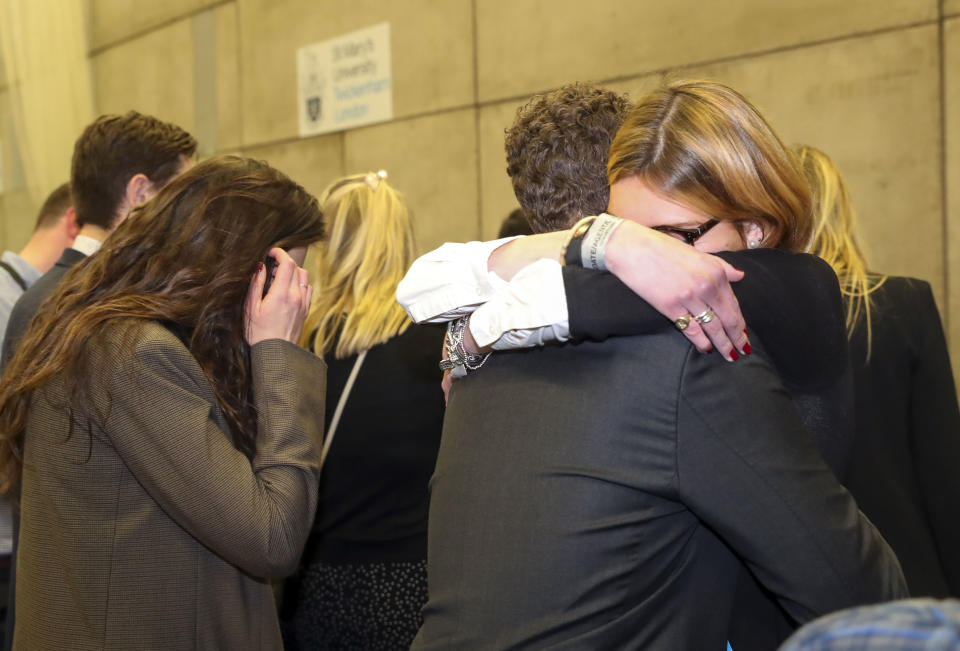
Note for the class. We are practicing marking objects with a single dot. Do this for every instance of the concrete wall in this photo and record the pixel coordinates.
(875, 84)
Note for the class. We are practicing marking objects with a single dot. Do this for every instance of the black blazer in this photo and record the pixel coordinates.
(904, 473)
(606, 495)
(792, 304)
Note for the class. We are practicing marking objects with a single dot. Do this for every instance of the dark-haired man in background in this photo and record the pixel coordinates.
(54, 231)
(119, 162)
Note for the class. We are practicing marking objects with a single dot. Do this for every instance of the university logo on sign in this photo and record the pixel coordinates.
(345, 82)
(314, 108)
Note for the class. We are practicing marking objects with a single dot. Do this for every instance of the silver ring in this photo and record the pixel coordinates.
(682, 323)
(705, 317)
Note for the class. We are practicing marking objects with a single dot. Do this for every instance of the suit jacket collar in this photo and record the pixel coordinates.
(70, 257)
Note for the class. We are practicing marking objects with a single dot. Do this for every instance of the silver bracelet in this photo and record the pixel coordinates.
(456, 352)
(593, 247)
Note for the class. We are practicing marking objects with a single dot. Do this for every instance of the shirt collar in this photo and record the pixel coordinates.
(86, 244)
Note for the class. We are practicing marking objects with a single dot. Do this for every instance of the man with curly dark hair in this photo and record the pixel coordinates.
(557, 151)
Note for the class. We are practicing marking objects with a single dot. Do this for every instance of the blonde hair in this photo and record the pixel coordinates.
(702, 144)
(834, 236)
(369, 249)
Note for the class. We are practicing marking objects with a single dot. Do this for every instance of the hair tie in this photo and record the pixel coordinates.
(373, 178)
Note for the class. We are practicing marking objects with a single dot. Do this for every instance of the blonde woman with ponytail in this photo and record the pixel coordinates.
(905, 470)
(362, 580)
(370, 248)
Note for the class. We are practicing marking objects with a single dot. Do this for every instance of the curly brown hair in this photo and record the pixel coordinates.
(557, 153)
(115, 148)
(184, 258)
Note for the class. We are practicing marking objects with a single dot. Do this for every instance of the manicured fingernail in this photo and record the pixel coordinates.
(734, 356)
(747, 348)
(709, 349)
(259, 266)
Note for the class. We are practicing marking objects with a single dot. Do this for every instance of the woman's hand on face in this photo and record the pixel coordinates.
(678, 280)
(281, 313)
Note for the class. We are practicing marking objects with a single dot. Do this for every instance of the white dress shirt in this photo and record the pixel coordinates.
(454, 281)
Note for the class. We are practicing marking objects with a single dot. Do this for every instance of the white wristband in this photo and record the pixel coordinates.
(593, 247)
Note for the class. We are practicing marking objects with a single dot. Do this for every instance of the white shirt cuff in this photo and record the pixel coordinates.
(530, 311)
(450, 282)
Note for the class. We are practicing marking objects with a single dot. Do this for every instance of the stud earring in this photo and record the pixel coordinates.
(754, 244)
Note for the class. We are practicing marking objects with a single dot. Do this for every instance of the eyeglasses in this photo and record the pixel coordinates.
(689, 235)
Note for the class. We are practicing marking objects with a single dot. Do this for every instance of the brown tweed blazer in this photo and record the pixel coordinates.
(152, 531)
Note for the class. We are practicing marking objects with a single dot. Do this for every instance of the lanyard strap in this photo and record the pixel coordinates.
(17, 278)
(340, 405)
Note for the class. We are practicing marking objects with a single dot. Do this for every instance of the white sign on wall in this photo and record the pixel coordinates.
(345, 81)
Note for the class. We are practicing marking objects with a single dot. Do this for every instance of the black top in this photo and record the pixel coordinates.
(373, 486)
(905, 472)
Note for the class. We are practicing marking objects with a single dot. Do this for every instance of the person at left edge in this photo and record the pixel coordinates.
(54, 231)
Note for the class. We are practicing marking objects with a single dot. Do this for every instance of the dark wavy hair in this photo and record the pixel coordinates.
(185, 258)
(557, 154)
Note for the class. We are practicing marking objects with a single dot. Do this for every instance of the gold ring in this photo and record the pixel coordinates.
(682, 323)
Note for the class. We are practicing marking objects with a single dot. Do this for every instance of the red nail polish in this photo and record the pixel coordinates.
(734, 356)
(709, 350)
(259, 266)
(747, 348)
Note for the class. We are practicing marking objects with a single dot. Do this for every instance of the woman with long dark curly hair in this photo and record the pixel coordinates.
(163, 425)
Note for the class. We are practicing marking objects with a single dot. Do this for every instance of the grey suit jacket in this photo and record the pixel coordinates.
(604, 496)
(149, 529)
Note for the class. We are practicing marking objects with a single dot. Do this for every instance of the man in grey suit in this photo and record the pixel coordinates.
(606, 495)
